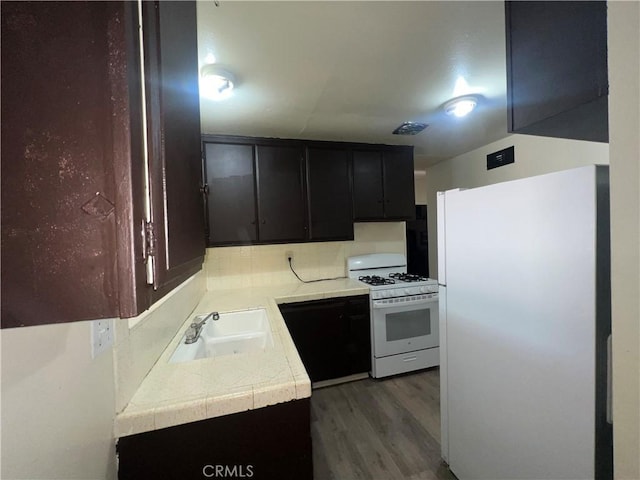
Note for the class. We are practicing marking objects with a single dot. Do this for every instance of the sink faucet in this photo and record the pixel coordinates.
(193, 332)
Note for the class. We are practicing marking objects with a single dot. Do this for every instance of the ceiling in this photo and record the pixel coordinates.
(354, 71)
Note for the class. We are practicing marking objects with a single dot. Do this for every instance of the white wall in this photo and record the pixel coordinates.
(624, 141)
(533, 156)
(59, 404)
(420, 181)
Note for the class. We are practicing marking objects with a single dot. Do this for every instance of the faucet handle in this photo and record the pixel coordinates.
(199, 323)
(215, 315)
(191, 335)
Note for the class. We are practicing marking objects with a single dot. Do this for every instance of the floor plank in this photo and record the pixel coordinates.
(386, 429)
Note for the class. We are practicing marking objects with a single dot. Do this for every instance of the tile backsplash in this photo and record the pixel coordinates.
(257, 265)
(140, 341)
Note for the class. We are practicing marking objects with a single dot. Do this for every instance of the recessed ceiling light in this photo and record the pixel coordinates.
(216, 83)
(461, 106)
(410, 128)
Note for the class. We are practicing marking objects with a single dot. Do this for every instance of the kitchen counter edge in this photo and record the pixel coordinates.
(179, 393)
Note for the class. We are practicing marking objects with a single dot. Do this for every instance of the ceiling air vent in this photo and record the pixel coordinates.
(410, 128)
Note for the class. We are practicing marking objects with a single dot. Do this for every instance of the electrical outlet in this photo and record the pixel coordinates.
(288, 255)
(101, 336)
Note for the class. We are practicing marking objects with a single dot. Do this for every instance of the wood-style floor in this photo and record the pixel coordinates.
(386, 429)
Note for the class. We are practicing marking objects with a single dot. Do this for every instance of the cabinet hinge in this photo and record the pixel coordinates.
(149, 240)
(149, 250)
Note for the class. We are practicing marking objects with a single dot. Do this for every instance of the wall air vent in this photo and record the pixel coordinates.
(410, 128)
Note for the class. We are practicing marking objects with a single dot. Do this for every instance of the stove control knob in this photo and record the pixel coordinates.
(408, 291)
(424, 290)
(386, 293)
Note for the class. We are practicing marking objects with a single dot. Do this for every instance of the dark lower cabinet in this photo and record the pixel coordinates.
(270, 443)
(317, 330)
(357, 345)
(332, 336)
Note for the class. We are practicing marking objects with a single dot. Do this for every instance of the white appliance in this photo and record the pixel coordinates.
(524, 276)
(404, 314)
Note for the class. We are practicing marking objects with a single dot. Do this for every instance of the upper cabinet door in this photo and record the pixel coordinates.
(368, 196)
(329, 194)
(557, 81)
(173, 129)
(281, 212)
(71, 163)
(399, 189)
(383, 184)
(231, 201)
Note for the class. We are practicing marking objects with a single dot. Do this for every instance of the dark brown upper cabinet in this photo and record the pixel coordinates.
(231, 200)
(255, 191)
(73, 165)
(280, 193)
(329, 193)
(173, 129)
(557, 82)
(383, 184)
(262, 190)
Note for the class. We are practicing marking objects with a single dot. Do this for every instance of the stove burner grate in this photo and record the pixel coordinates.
(408, 277)
(375, 280)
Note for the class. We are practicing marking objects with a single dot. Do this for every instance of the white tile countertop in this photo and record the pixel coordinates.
(178, 393)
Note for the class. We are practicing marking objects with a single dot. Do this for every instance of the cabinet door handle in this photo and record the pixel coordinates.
(264, 221)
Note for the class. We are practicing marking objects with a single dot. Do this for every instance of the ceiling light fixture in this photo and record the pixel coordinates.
(461, 106)
(216, 83)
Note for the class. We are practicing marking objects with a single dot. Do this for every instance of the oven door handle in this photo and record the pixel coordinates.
(379, 304)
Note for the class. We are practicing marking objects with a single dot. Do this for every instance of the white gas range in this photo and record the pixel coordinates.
(404, 314)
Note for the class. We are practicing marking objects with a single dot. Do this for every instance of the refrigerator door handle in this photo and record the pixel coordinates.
(609, 383)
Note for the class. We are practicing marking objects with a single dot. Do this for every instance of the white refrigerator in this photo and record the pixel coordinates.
(524, 275)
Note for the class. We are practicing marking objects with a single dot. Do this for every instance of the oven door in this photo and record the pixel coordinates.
(404, 324)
